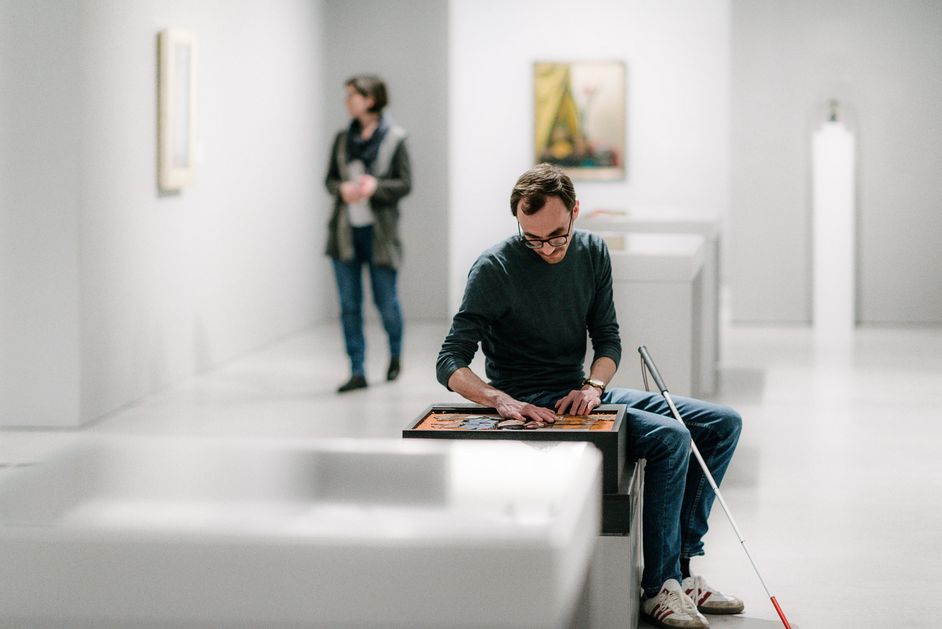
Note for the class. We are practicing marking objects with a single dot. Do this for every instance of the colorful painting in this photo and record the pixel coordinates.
(579, 118)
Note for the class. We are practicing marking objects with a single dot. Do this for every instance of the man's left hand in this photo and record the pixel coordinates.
(580, 402)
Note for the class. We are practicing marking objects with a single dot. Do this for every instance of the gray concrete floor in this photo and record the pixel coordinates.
(836, 484)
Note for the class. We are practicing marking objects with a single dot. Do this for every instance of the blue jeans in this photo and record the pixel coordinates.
(350, 288)
(677, 496)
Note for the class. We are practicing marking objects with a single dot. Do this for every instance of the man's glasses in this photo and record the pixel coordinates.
(554, 241)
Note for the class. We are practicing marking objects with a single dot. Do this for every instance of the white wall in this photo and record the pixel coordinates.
(407, 44)
(40, 113)
(109, 290)
(127, 289)
(882, 61)
(173, 284)
(677, 58)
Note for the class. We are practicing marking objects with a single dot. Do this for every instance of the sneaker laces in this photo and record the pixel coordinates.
(699, 586)
(678, 601)
(690, 606)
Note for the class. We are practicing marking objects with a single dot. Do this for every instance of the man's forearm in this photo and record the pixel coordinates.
(468, 385)
(603, 369)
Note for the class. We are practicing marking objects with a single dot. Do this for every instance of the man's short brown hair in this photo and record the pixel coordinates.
(536, 184)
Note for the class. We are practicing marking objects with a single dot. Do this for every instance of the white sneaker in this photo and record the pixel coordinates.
(710, 600)
(671, 608)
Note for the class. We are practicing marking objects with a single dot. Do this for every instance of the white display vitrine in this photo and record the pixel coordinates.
(674, 220)
(354, 534)
(657, 285)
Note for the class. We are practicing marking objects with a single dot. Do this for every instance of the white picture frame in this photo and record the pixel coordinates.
(177, 107)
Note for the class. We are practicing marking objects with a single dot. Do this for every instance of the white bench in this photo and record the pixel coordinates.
(168, 533)
(613, 586)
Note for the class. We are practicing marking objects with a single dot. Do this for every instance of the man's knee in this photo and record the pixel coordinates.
(676, 440)
(730, 423)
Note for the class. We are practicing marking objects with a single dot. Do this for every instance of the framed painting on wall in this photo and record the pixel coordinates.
(176, 136)
(579, 117)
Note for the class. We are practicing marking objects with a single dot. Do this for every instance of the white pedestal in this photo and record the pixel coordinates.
(658, 294)
(834, 233)
(670, 220)
(355, 534)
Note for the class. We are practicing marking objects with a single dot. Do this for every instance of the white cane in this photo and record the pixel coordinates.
(648, 362)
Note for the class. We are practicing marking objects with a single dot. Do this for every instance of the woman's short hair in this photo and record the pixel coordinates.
(370, 86)
(539, 182)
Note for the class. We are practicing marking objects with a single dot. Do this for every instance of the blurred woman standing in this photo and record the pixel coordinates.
(369, 173)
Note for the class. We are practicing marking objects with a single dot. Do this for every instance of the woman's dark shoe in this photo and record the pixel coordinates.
(393, 372)
(355, 382)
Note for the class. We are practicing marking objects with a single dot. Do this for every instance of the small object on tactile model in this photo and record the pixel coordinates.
(511, 424)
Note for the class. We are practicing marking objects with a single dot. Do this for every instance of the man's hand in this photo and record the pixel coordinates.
(467, 384)
(514, 409)
(580, 402)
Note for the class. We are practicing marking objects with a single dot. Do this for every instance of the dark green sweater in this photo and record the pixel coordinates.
(531, 317)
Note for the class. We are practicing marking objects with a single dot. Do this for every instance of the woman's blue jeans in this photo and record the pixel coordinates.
(350, 288)
(677, 496)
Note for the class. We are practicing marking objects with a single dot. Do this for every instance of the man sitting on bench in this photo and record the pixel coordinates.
(529, 302)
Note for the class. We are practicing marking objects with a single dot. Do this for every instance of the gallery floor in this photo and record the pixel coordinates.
(836, 484)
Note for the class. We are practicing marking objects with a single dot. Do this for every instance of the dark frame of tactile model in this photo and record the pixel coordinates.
(611, 443)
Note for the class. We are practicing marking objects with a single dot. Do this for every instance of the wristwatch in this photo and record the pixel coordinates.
(592, 382)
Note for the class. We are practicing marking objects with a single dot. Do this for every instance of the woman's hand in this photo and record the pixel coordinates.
(350, 192)
(368, 185)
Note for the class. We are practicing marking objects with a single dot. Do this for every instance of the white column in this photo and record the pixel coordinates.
(833, 227)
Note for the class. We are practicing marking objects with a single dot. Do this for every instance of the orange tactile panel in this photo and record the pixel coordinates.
(461, 420)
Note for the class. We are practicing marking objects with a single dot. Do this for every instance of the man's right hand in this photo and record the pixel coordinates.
(514, 409)
(468, 385)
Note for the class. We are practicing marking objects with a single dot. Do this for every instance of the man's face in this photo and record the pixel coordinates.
(551, 220)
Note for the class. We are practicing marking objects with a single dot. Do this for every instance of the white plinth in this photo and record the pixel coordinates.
(834, 232)
(674, 220)
(168, 533)
(658, 292)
